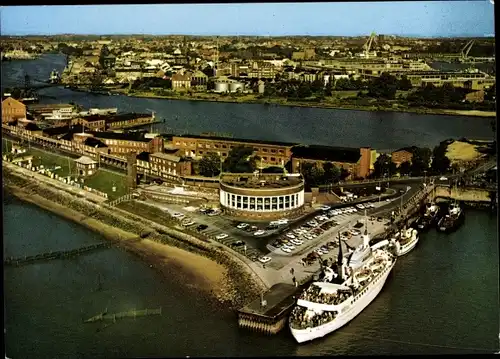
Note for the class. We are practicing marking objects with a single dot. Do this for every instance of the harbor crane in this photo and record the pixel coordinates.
(368, 44)
(466, 49)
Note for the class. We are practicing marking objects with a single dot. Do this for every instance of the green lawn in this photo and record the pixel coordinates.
(104, 181)
(50, 161)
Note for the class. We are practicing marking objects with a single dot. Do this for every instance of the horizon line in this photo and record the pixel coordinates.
(249, 35)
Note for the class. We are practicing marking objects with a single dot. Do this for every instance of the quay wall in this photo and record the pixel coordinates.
(463, 194)
(115, 223)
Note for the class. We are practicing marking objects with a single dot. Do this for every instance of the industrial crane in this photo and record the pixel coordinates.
(466, 49)
(368, 44)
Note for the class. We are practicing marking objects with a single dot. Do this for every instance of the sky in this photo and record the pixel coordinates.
(418, 18)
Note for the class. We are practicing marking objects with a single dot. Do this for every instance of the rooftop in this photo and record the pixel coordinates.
(243, 140)
(94, 142)
(62, 130)
(262, 181)
(85, 160)
(129, 136)
(166, 156)
(327, 153)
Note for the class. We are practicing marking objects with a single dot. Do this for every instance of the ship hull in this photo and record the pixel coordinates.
(449, 228)
(305, 335)
(407, 248)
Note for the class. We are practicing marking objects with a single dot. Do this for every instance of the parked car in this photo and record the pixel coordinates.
(214, 212)
(325, 208)
(443, 178)
(189, 223)
(360, 206)
(265, 259)
(289, 235)
(259, 232)
(290, 246)
(178, 215)
(201, 227)
(237, 244)
(221, 236)
(242, 225)
(285, 249)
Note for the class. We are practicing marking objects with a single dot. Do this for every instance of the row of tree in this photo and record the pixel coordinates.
(424, 162)
(383, 87)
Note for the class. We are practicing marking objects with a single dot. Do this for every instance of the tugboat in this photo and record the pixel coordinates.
(430, 217)
(452, 220)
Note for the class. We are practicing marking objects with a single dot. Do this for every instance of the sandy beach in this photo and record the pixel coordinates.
(194, 270)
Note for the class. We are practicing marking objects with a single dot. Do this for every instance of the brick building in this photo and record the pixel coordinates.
(358, 161)
(271, 153)
(12, 110)
(123, 143)
(165, 165)
(400, 156)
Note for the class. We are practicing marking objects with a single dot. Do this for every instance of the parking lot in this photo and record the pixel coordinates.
(268, 242)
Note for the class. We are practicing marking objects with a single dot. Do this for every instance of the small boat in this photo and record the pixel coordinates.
(452, 220)
(404, 241)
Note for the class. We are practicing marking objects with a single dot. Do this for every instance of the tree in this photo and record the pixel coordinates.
(404, 84)
(405, 168)
(304, 90)
(240, 160)
(313, 175)
(329, 88)
(420, 161)
(317, 86)
(209, 165)
(384, 87)
(384, 166)
(344, 173)
(332, 173)
(440, 163)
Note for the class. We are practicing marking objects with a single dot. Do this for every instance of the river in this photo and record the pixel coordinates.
(442, 298)
(349, 128)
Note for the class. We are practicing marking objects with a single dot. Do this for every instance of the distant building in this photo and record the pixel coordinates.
(168, 165)
(12, 110)
(181, 82)
(400, 156)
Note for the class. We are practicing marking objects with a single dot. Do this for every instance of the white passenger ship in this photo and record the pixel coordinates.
(404, 241)
(330, 304)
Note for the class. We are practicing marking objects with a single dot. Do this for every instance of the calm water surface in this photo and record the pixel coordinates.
(379, 130)
(441, 298)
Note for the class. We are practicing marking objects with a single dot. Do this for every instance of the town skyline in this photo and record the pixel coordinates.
(415, 19)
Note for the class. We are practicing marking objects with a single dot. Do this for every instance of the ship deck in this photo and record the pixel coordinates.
(279, 300)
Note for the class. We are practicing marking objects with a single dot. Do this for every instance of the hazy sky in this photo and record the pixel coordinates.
(420, 18)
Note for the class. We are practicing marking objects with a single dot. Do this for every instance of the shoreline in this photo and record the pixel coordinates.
(192, 268)
(284, 102)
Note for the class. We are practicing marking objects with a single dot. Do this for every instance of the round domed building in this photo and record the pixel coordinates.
(262, 196)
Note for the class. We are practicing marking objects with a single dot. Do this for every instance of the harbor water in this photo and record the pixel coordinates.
(441, 298)
(350, 128)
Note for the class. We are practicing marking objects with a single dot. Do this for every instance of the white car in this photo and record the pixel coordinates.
(177, 215)
(222, 236)
(214, 213)
(242, 225)
(285, 249)
(282, 221)
(265, 259)
(296, 242)
(291, 236)
(360, 206)
(259, 232)
(325, 208)
(187, 224)
(443, 178)
(308, 236)
(290, 246)
(319, 251)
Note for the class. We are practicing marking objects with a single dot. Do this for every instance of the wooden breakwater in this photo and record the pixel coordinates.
(130, 314)
(57, 255)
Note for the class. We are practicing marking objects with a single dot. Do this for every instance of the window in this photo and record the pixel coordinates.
(264, 150)
(273, 159)
(264, 158)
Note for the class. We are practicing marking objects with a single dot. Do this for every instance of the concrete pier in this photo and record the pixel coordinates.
(271, 317)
